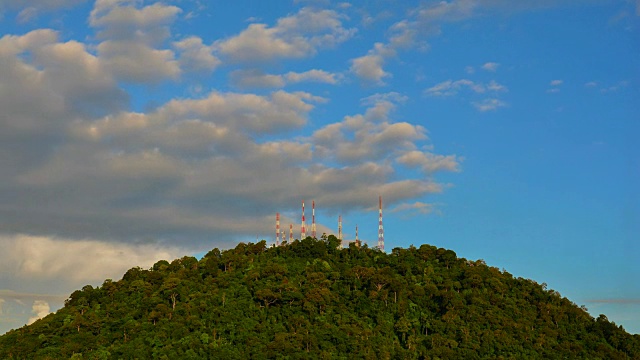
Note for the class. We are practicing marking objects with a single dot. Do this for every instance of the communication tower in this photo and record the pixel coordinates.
(340, 230)
(277, 229)
(313, 219)
(303, 230)
(380, 228)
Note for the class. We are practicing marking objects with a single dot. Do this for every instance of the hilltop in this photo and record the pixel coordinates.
(310, 299)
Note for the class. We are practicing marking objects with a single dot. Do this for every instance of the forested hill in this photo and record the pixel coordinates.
(310, 300)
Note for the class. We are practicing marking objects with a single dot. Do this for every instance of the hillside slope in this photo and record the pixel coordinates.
(311, 300)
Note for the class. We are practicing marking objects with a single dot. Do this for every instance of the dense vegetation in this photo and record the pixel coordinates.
(311, 300)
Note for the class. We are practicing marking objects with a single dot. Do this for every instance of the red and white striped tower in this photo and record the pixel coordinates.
(340, 230)
(277, 229)
(357, 240)
(380, 228)
(290, 233)
(303, 230)
(284, 239)
(313, 219)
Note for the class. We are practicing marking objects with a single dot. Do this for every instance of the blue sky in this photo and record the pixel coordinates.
(134, 131)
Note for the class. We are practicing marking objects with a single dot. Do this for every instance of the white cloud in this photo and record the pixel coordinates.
(132, 37)
(385, 98)
(255, 78)
(616, 87)
(418, 206)
(429, 162)
(489, 104)
(44, 85)
(39, 4)
(296, 36)
(75, 261)
(449, 11)
(313, 75)
(195, 56)
(41, 309)
(494, 86)
(403, 35)
(591, 84)
(27, 14)
(134, 61)
(88, 175)
(491, 66)
(374, 136)
(450, 87)
(369, 67)
(556, 82)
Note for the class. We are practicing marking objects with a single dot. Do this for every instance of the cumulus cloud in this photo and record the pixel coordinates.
(491, 66)
(92, 185)
(296, 36)
(41, 309)
(195, 56)
(418, 206)
(371, 136)
(429, 162)
(451, 87)
(255, 78)
(619, 85)
(38, 5)
(460, 10)
(187, 169)
(494, 86)
(44, 84)
(313, 75)
(369, 67)
(132, 37)
(77, 261)
(555, 86)
(27, 15)
(489, 104)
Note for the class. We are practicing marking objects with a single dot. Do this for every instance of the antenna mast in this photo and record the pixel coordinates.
(340, 229)
(277, 229)
(380, 228)
(313, 219)
(303, 230)
(357, 240)
(290, 233)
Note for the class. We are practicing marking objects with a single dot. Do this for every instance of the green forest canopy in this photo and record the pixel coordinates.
(309, 300)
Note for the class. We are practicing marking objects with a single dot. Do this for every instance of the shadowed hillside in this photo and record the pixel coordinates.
(311, 300)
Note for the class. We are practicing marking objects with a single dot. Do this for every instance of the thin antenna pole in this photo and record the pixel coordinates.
(313, 219)
(340, 230)
(303, 230)
(380, 228)
(357, 239)
(290, 233)
(277, 229)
